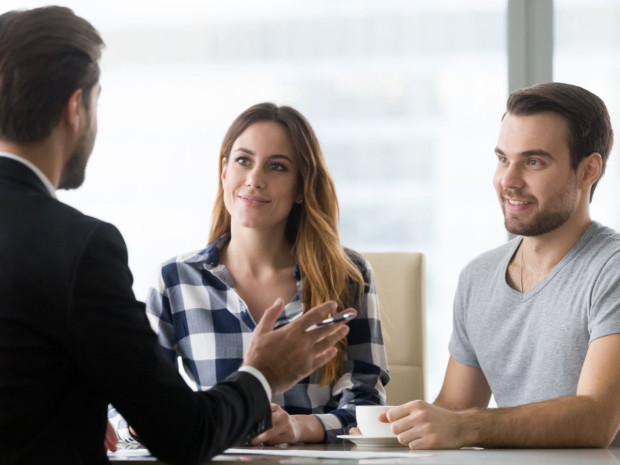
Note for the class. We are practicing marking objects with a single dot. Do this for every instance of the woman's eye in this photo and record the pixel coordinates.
(243, 161)
(277, 167)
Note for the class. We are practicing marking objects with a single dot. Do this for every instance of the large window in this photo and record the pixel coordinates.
(405, 96)
(593, 61)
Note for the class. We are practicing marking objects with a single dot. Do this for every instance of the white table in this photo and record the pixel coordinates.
(440, 457)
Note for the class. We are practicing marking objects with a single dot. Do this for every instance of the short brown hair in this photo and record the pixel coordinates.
(589, 125)
(46, 54)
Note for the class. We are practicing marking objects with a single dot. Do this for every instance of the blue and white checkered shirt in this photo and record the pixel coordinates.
(205, 328)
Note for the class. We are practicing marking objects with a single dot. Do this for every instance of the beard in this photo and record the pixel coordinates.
(74, 171)
(550, 217)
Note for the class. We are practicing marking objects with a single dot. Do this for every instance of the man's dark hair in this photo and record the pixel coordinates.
(589, 125)
(46, 54)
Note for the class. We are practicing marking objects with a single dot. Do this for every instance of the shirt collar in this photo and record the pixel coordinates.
(209, 258)
(46, 182)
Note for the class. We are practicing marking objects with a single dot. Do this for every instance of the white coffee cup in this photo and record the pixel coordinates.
(368, 421)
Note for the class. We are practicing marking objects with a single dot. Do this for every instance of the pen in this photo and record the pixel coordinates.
(332, 320)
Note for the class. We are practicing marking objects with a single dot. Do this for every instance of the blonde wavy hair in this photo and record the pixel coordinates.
(327, 273)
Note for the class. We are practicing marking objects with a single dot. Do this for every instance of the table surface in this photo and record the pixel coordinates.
(609, 456)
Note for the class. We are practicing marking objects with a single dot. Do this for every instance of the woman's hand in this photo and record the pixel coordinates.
(285, 429)
(290, 429)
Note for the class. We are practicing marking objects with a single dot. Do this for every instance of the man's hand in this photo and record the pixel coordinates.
(420, 425)
(111, 439)
(290, 353)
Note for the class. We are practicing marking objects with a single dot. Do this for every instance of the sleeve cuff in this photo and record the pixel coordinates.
(258, 375)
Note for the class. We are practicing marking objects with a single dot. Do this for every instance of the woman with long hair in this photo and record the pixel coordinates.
(274, 236)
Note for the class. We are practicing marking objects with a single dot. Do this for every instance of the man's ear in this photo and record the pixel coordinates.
(591, 170)
(75, 110)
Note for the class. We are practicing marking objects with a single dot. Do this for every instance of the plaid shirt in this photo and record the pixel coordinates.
(205, 328)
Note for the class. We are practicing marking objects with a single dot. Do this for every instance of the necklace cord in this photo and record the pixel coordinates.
(522, 267)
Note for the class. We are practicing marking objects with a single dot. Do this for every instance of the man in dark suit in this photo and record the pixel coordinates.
(72, 336)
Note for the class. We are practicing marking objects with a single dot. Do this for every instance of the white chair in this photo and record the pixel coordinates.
(400, 282)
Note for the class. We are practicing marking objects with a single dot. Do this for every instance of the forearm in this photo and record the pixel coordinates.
(575, 421)
(310, 429)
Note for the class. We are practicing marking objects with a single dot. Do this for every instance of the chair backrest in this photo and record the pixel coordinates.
(400, 282)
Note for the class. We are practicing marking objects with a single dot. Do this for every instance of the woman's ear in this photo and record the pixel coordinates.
(300, 193)
(224, 166)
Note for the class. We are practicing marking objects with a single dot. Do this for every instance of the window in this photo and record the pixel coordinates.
(593, 61)
(406, 99)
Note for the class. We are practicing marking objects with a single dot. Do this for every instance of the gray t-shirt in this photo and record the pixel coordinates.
(531, 346)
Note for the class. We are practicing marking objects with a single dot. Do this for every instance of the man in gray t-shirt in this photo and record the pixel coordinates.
(531, 346)
(537, 320)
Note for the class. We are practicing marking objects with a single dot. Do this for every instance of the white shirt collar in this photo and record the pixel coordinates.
(46, 182)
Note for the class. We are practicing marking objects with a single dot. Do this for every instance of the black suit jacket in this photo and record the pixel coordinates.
(73, 339)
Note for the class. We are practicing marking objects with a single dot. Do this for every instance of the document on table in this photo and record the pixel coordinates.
(324, 454)
(125, 449)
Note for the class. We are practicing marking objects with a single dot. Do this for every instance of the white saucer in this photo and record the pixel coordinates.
(372, 441)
